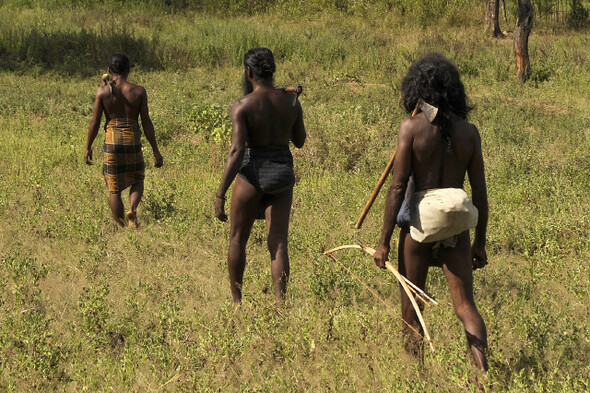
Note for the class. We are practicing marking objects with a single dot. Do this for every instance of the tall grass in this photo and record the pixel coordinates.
(86, 306)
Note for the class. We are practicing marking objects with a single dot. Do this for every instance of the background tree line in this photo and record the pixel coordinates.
(568, 13)
(498, 17)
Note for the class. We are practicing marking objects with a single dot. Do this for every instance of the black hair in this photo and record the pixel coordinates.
(436, 80)
(119, 64)
(261, 61)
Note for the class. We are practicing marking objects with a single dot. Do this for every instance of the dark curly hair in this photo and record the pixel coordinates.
(119, 64)
(436, 80)
(261, 61)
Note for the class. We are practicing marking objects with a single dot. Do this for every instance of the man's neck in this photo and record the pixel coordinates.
(261, 84)
(119, 78)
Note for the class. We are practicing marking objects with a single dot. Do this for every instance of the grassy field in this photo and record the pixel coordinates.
(85, 306)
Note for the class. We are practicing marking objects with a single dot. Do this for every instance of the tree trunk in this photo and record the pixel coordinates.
(524, 24)
(492, 21)
(504, 10)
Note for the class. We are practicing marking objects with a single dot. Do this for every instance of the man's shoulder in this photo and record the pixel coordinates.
(137, 89)
(466, 134)
(240, 106)
(412, 125)
(102, 91)
(464, 126)
(243, 102)
(470, 129)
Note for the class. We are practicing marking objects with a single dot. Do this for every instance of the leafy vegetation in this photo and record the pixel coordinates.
(85, 306)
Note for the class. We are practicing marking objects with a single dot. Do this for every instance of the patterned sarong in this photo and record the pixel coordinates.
(123, 160)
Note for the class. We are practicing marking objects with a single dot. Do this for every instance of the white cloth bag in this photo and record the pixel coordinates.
(441, 213)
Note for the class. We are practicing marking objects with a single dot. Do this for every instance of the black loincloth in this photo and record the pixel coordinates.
(269, 169)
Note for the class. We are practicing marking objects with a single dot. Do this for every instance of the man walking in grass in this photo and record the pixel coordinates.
(122, 102)
(264, 120)
(438, 155)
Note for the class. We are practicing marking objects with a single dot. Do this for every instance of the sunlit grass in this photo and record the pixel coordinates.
(87, 306)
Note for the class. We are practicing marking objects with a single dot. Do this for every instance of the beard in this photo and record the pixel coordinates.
(247, 85)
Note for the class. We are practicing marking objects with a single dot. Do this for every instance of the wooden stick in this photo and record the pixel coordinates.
(106, 78)
(379, 185)
(402, 280)
(294, 89)
(291, 89)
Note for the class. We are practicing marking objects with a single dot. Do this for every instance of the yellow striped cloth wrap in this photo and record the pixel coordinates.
(123, 163)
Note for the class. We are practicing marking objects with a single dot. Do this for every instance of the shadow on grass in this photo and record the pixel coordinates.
(80, 53)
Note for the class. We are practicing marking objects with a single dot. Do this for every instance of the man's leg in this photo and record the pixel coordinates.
(117, 207)
(413, 262)
(277, 226)
(135, 194)
(245, 204)
(458, 271)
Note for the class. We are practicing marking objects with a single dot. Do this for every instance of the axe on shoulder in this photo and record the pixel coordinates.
(430, 112)
(291, 89)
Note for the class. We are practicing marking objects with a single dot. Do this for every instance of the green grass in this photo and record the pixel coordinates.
(85, 306)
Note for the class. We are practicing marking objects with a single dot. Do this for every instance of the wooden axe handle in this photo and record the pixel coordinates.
(292, 89)
(379, 185)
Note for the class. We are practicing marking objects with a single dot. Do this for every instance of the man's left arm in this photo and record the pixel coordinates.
(298, 134)
(148, 129)
(395, 194)
(479, 195)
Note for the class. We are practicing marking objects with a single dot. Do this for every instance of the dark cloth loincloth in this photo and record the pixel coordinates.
(268, 168)
(123, 163)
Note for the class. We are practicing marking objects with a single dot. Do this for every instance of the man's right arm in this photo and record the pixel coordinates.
(395, 194)
(94, 125)
(234, 157)
(479, 195)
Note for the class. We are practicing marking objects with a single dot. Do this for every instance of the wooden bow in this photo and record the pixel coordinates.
(410, 288)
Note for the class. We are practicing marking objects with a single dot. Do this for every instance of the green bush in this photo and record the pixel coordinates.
(211, 121)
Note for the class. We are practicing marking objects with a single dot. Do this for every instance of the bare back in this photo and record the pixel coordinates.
(271, 117)
(125, 101)
(421, 148)
(430, 155)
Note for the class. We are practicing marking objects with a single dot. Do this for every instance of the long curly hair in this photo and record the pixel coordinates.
(436, 80)
(261, 61)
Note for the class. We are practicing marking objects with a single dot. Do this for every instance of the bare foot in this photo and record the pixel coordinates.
(132, 217)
